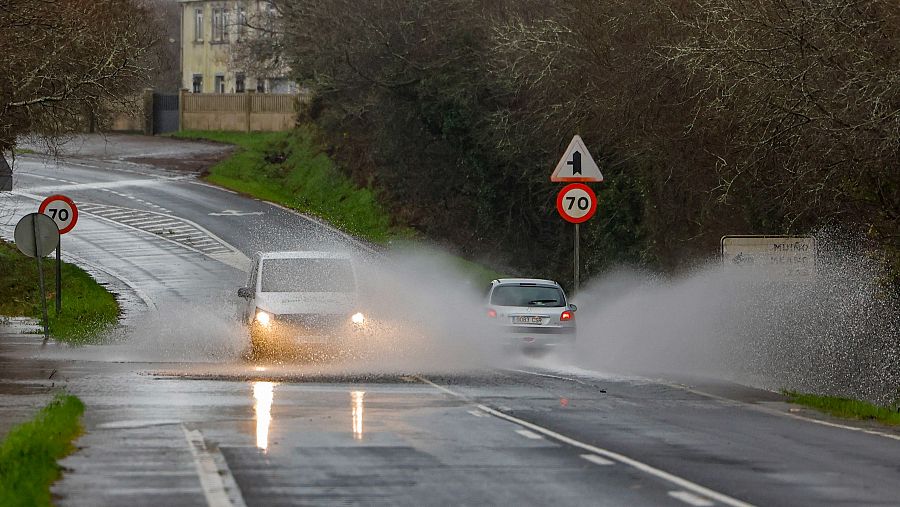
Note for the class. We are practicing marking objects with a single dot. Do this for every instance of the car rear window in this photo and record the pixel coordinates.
(527, 295)
(307, 275)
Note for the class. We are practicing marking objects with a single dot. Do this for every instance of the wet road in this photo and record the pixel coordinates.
(225, 432)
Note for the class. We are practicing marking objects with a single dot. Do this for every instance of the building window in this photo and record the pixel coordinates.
(220, 19)
(198, 25)
(198, 83)
(239, 83)
(241, 21)
(260, 85)
(220, 83)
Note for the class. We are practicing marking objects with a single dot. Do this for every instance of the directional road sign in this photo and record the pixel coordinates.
(576, 203)
(62, 210)
(770, 257)
(576, 165)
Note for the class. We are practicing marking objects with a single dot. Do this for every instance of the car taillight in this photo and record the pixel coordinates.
(566, 315)
(492, 313)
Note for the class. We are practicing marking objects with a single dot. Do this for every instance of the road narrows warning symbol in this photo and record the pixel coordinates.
(576, 165)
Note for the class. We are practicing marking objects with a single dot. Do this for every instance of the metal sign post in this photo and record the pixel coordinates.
(576, 202)
(58, 277)
(577, 260)
(64, 212)
(37, 236)
(40, 268)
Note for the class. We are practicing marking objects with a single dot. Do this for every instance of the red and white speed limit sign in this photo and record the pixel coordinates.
(62, 210)
(576, 203)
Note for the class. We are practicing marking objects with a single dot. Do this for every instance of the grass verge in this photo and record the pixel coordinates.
(87, 308)
(291, 169)
(29, 452)
(846, 408)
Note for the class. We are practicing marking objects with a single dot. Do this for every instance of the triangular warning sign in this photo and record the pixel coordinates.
(576, 164)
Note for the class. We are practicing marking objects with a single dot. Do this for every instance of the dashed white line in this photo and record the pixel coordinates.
(690, 498)
(529, 434)
(597, 460)
(477, 413)
(614, 456)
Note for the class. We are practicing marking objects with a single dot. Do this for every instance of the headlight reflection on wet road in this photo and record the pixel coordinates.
(263, 395)
(356, 409)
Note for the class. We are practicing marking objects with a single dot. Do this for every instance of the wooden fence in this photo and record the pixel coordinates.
(239, 111)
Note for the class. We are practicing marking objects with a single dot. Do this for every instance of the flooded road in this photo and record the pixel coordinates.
(176, 416)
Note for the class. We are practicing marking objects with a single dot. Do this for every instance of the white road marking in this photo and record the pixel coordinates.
(236, 213)
(202, 184)
(218, 484)
(102, 185)
(785, 414)
(547, 375)
(529, 434)
(597, 460)
(690, 498)
(477, 413)
(760, 408)
(621, 458)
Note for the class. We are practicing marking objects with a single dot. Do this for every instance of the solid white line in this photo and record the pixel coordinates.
(773, 411)
(529, 434)
(643, 467)
(690, 498)
(546, 375)
(597, 460)
(214, 474)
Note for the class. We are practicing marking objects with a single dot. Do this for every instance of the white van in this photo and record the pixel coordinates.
(294, 298)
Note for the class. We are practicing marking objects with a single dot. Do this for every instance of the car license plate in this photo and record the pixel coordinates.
(526, 320)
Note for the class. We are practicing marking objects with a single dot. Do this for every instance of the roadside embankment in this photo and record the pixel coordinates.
(87, 307)
(846, 408)
(293, 170)
(29, 452)
(290, 169)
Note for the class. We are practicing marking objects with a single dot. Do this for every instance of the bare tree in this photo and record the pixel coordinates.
(66, 60)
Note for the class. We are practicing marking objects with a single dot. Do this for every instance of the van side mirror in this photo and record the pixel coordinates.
(574, 308)
(245, 292)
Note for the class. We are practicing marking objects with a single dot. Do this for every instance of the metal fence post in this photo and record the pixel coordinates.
(148, 111)
(182, 93)
(248, 104)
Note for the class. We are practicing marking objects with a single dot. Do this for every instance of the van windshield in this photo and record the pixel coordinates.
(307, 275)
(527, 295)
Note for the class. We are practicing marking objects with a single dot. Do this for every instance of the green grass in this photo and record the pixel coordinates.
(29, 452)
(24, 151)
(846, 408)
(291, 169)
(87, 308)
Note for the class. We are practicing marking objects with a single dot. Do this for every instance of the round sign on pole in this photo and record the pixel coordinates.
(576, 203)
(36, 235)
(62, 210)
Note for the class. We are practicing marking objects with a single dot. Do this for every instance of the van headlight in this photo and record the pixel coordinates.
(358, 318)
(263, 318)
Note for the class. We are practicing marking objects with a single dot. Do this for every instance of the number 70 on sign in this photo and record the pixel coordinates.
(576, 203)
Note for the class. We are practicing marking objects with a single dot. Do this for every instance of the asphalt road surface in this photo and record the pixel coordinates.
(164, 428)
